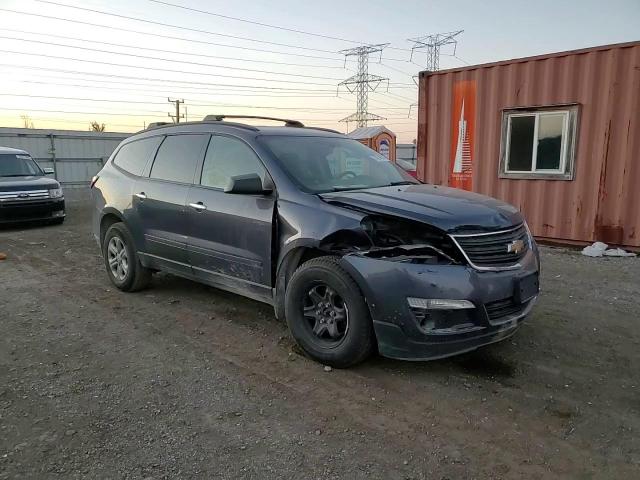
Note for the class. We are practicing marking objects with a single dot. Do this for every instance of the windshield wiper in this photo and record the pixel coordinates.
(345, 189)
(403, 182)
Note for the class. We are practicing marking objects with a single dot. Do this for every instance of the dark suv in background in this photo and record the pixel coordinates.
(353, 252)
(26, 194)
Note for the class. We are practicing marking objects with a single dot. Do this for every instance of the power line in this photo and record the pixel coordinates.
(160, 50)
(167, 37)
(377, 100)
(196, 30)
(254, 22)
(172, 82)
(130, 114)
(112, 64)
(192, 103)
(462, 60)
(164, 59)
(139, 126)
(81, 99)
(59, 120)
(167, 89)
(399, 97)
(397, 70)
(78, 113)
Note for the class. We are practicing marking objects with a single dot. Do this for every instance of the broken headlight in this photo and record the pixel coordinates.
(408, 241)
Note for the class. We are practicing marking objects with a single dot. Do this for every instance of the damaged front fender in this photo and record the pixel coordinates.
(425, 254)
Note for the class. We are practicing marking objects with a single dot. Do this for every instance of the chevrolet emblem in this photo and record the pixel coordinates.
(515, 247)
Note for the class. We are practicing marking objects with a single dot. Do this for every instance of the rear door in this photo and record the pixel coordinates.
(230, 235)
(160, 200)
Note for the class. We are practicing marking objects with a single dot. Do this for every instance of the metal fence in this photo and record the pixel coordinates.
(406, 155)
(75, 156)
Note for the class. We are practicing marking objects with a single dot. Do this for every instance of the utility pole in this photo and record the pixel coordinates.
(176, 118)
(432, 44)
(362, 83)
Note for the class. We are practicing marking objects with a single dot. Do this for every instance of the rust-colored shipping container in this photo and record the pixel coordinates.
(556, 135)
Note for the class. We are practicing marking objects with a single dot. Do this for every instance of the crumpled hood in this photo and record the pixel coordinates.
(448, 209)
(13, 184)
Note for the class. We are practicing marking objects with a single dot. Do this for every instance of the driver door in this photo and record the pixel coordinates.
(230, 235)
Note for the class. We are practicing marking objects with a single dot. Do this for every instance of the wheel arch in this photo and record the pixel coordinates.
(108, 218)
(295, 257)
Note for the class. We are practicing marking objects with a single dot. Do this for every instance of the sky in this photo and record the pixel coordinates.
(66, 63)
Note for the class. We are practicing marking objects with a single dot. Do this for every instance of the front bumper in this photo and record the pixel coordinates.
(31, 210)
(400, 330)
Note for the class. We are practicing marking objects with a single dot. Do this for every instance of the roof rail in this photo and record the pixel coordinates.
(325, 130)
(158, 124)
(287, 122)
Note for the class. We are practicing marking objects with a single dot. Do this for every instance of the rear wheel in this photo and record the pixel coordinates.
(122, 260)
(327, 314)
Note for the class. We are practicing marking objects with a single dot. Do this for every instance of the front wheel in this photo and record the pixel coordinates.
(122, 260)
(327, 314)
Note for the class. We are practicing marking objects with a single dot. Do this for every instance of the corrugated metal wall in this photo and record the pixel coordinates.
(407, 152)
(605, 192)
(76, 156)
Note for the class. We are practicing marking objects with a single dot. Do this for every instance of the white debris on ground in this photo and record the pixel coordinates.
(618, 252)
(599, 249)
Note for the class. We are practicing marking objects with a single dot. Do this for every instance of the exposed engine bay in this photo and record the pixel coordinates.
(394, 239)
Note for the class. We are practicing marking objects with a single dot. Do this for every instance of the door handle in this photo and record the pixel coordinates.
(198, 206)
(140, 195)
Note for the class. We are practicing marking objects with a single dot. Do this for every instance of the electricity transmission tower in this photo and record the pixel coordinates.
(176, 118)
(432, 44)
(362, 83)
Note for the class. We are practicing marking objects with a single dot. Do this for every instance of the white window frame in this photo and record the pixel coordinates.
(567, 148)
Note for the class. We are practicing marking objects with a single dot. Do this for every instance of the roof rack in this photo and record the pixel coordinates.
(287, 122)
(326, 130)
(158, 124)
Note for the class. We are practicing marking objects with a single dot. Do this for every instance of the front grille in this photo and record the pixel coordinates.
(502, 310)
(25, 203)
(24, 195)
(492, 250)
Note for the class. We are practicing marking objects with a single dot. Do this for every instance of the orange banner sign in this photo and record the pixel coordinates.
(462, 134)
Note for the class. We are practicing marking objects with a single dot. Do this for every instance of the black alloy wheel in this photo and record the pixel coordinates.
(326, 313)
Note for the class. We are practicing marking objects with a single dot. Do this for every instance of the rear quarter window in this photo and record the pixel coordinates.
(133, 156)
(178, 157)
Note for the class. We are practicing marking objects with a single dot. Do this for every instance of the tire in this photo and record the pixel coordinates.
(57, 221)
(129, 276)
(319, 286)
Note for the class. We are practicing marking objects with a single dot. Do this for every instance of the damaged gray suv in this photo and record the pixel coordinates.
(355, 254)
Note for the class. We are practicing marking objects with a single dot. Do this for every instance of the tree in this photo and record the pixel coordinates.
(26, 121)
(97, 127)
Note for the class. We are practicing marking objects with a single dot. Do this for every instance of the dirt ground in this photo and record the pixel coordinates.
(184, 381)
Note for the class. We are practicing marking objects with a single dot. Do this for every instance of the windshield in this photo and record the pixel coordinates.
(17, 165)
(329, 164)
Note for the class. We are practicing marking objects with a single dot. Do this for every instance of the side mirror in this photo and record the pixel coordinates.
(249, 184)
(48, 171)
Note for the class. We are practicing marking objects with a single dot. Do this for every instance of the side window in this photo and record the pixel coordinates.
(538, 143)
(228, 157)
(133, 156)
(178, 157)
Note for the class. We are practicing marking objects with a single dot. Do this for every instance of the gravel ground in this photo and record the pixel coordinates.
(185, 381)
